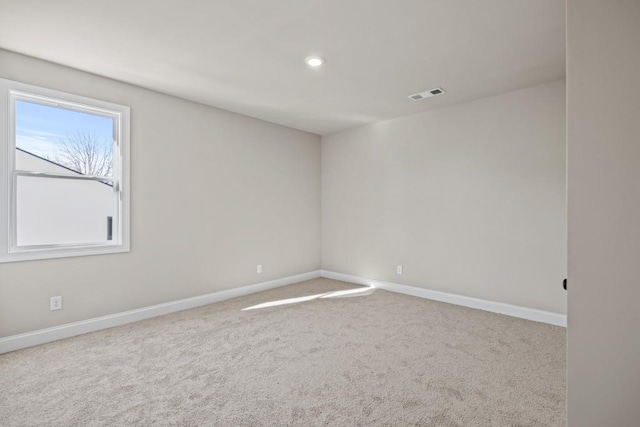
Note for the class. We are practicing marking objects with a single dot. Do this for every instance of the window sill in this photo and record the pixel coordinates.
(74, 251)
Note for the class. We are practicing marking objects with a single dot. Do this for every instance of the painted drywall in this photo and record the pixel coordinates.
(213, 194)
(469, 199)
(603, 83)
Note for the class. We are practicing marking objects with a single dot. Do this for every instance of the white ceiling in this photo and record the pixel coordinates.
(248, 56)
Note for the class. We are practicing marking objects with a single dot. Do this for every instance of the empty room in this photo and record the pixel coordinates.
(338, 213)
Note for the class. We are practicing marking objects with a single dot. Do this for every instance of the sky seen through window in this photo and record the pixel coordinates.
(42, 130)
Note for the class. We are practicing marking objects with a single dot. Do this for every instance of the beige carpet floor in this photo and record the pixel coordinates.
(320, 357)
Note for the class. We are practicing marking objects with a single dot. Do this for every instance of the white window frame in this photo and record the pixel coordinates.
(10, 92)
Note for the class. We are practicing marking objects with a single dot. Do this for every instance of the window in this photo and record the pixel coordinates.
(63, 174)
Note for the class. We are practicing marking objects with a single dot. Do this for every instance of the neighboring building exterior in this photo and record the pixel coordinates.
(59, 211)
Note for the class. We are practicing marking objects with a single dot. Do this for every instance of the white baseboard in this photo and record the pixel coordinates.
(495, 307)
(42, 336)
(29, 339)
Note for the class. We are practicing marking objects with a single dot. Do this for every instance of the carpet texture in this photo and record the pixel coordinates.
(327, 357)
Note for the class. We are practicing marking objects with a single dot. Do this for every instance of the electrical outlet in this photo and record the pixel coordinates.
(399, 269)
(259, 268)
(56, 303)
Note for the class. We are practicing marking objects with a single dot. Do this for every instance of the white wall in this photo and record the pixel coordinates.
(212, 194)
(603, 80)
(470, 199)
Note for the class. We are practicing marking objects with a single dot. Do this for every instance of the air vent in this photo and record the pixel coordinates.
(426, 94)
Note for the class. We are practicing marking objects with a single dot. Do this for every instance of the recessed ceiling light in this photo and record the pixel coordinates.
(314, 61)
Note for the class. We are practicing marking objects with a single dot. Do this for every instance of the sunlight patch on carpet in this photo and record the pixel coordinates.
(335, 294)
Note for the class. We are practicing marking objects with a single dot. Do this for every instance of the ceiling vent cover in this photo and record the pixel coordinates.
(426, 94)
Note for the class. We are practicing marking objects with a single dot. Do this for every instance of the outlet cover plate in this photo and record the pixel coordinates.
(55, 303)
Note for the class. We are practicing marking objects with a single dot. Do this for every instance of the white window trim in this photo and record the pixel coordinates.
(9, 252)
